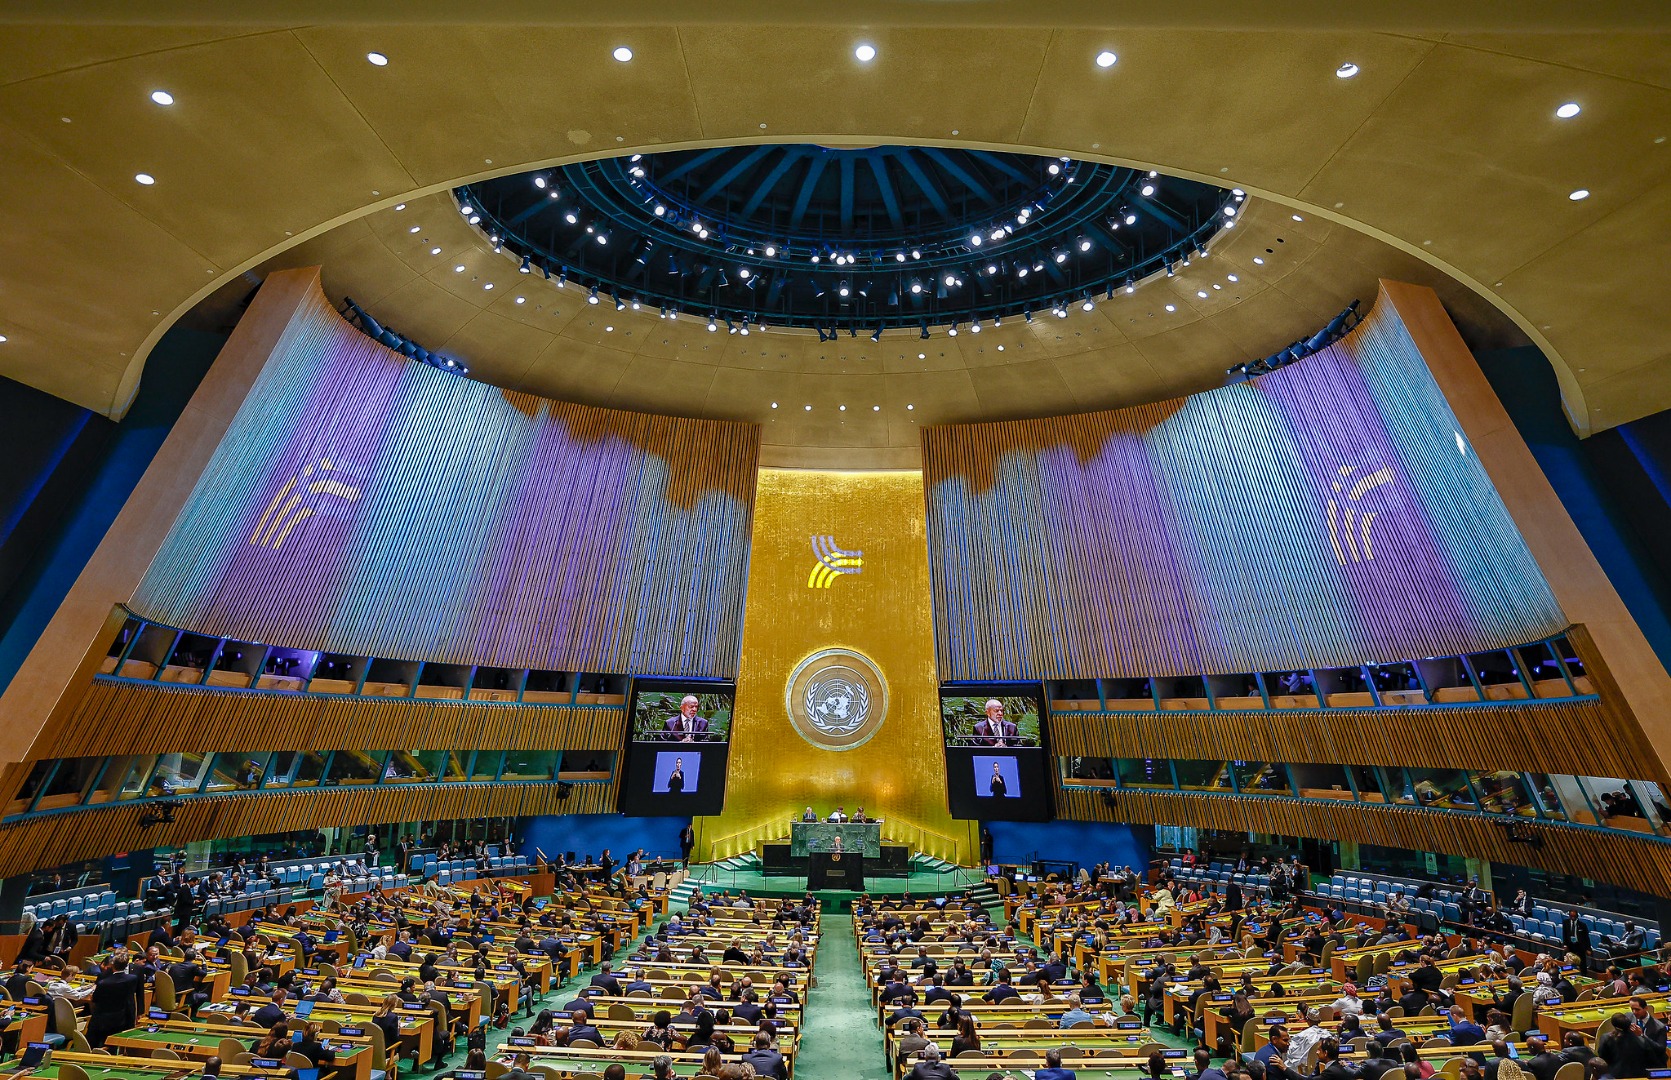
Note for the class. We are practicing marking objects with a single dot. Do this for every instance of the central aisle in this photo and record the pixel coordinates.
(841, 1040)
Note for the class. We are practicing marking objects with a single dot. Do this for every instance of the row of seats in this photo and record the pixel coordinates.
(1544, 924)
(1218, 875)
(95, 904)
(450, 870)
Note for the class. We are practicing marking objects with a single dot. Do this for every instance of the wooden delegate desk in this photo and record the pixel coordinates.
(1585, 1017)
(566, 1063)
(809, 837)
(461, 1001)
(27, 1022)
(644, 1009)
(108, 1067)
(200, 1042)
(417, 1029)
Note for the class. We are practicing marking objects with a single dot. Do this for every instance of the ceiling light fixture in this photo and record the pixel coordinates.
(865, 53)
(377, 59)
(1346, 70)
(1577, 196)
(622, 53)
(1569, 110)
(1106, 59)
(1148, 188)
(145, 178)
(162, 97)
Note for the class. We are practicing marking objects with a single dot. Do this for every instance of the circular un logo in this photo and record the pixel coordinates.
(836, 699)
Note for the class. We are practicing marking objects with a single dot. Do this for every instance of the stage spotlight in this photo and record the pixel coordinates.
(952, 331)
(877, 336)
(924, 334)
(712, 325)
(592, 297)
(526, 267)
(1148, 188)
(975, 327)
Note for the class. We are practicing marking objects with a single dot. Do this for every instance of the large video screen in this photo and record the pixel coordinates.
(683, 713)
(997, 767)
(677, 748)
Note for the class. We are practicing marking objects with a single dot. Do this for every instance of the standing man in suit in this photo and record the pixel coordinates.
(1575, 935)
(114, 1005)
(687, 843)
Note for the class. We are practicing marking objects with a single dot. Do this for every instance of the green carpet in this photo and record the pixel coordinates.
(841, 1041)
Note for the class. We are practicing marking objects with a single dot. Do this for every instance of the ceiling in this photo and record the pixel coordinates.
(1444, 148)
(822, 238)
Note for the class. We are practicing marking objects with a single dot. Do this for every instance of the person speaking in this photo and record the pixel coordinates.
(995, 730)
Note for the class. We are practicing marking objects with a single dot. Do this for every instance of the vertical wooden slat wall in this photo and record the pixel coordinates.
(1615, 857)
(1555, 737)
(369, 504)
(1329, 513)
(132, 718)
(59, 838)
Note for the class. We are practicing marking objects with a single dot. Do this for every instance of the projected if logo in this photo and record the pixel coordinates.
(1349, 523)
(296, 502)
(832, 562)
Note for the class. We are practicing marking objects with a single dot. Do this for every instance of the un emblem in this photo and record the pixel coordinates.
(836, 699)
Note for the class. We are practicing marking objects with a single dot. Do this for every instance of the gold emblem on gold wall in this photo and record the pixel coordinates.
(837, 699)
(273, 527)
(1348, 526)
(832, 562)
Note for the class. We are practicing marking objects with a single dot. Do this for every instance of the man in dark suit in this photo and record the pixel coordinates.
(114, 1005)
(1627, 1052)
(1575, 935)
(1001, 992)
(765, 1058)
(1203, 1065)
(1331, 1067)
(1539, 1061)
(995, 730)
(606, 981)
(1053, 1068)
(929, 1068)
(581, 1027)
(272, 1012)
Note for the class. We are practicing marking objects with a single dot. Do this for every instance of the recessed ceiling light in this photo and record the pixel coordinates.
(1298, 217)
(1259, 260)
(865, 53)
(400, 206)
(908, 408)
(1106, 59)
(809, 408)
(414, 228)
(922, 356)
(2, 339)
(609, 329)
(163, 97)
(774, 404)
(1581, 193)
(876, 408)
(1346, 70)
(377, 59)
(522, 299)
(1170, 307)
(459, 269)
(435, 251)
(1569, 110)
(843, 408)
(145, 178)
(1201, 293)
(488, 285)
(622, 53)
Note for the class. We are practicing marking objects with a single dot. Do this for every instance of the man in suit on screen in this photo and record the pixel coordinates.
(995, 730)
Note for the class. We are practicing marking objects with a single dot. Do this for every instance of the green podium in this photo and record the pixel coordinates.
(811, 837)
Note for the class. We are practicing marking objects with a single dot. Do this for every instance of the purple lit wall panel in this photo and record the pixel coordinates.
(367, 504)
(1328, 513)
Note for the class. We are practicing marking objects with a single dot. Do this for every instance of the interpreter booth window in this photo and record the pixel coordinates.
(1503, 792)
(1545, 793)
(1203, 775)
(178, 774)
(1261, 778)
(1322, 781)
(486, 764)
(1441, 789)
(296, 768)
(1088, 768)
(350, 767)
(1632, 805)
(237, 772)
(424, 766)
(530, 764)
(1146, 773)
(70, 783)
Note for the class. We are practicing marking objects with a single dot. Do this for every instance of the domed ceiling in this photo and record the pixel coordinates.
(848, 239)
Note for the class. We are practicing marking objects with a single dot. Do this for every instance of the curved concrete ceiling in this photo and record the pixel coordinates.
(1444, 145)
(524, 332)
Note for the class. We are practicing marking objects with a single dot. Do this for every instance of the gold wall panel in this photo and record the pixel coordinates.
(882, 612)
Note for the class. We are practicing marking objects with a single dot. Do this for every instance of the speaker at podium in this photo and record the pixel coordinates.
(836, 870)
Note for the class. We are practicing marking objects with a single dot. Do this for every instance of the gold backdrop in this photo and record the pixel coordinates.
(881, 611)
